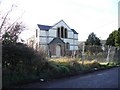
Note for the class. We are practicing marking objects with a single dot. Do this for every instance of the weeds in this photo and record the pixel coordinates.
(29, 65)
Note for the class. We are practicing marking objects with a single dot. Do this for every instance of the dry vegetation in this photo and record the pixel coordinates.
(78, 60)
(27, 65)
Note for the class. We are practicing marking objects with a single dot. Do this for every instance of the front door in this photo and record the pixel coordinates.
(58, 51)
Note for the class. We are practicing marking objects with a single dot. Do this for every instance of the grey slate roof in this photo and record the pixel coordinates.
(46, 27)
(74, 31)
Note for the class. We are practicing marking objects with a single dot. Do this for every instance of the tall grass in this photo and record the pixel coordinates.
(22, 64)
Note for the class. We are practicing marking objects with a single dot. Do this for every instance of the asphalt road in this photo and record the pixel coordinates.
(99, 79)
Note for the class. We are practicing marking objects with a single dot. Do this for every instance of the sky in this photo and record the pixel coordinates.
(85, 16)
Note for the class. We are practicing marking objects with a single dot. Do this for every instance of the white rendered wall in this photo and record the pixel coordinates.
(70, 41)
(43, 40)
(50, 39)
(70, 35)
(71, 48)
(52, 33)
(76, 42)
(61, 23)
(37, 39)
(76, 36)
(43, 33)
(67, 40)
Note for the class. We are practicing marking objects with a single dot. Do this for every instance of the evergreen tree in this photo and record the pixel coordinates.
(114, 38)
(92, 40)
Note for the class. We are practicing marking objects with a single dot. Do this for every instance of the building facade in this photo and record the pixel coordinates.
(56, 40)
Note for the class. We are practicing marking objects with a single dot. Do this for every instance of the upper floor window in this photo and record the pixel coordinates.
(62, 32)
(66, 34)
(58, 32)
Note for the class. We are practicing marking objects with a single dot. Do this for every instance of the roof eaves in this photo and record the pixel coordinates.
(44, 27)
(74, 31)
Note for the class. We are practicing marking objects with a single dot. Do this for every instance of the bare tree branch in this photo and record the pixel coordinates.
(4, 19)
(10, 27)
(14, 22)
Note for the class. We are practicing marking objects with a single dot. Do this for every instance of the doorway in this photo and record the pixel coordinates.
(58, 51)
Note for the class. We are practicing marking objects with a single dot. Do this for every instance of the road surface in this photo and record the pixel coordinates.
(99, 79)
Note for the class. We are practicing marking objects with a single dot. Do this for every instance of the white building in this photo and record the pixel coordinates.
(57, 40)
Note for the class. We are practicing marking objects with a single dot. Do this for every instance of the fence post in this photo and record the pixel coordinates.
(108, 54)
(83, 49)
(118, 53)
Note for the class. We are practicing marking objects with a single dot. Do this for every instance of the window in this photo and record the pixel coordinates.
(58, 32)
(62, 33)
(66, 33)
(36, 33)
(67, 46)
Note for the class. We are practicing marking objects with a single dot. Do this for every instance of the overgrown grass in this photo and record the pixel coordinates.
(59, 67)
(26, 65)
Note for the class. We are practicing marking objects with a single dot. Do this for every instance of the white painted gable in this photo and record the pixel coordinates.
(61, 23)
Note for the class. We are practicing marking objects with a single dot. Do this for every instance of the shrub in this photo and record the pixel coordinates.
(64, 69)
(21, 64)
(58, 69)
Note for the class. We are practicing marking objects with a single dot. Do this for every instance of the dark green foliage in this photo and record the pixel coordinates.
(16, 54)
(119, 29)
(114, 38)
(75, 66)
(11, 36)
(21, 63)
(92, 40)
(93, 44)
(58, 69)
(111, 39)
(118, 37)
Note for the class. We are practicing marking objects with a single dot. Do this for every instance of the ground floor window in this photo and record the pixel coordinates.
(67, 46)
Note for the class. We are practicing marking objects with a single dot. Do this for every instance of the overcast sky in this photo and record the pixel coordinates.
(85, 16)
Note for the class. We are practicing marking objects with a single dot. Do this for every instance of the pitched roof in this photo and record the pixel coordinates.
(74, 31)
(46, 27)
(57, 40)
(63, 22)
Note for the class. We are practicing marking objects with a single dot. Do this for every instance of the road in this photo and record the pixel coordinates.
(99, 79)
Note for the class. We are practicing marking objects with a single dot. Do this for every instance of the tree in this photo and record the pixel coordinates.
(92, 40)
(9, 28)
(93, 44)
(119, 36)
(114, 38)
(119, 29)
(111, 39)
(11, 36)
